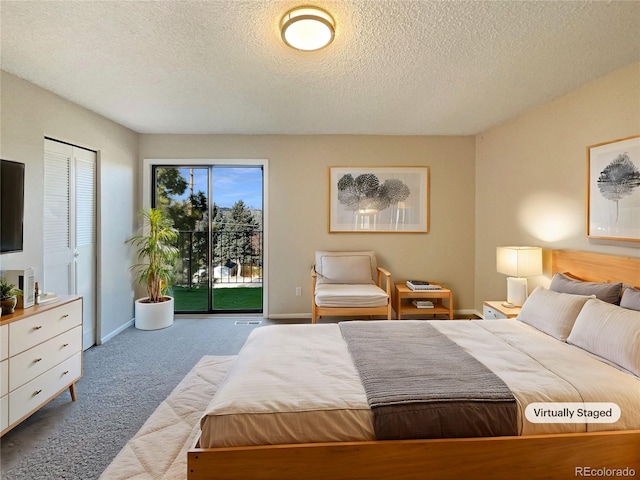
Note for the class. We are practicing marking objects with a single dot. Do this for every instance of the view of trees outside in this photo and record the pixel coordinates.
(236, 228)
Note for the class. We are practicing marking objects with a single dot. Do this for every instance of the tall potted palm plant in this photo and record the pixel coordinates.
(157, 259)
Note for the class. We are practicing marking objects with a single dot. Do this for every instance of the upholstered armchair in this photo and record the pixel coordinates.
(349, 284)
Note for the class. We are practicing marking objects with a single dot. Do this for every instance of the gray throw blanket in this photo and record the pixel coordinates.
(421, 384)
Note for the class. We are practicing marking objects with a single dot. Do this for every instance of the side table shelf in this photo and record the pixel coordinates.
(403, 295)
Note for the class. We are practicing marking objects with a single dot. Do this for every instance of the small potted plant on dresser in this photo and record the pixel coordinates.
(8, 297)
(157, 255)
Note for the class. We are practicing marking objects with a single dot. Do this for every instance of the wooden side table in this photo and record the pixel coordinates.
(492, 310)
(404, 295)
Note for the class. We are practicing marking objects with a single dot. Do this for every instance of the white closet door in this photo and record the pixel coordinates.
(85, 245)
(69, 227)
(59, 271)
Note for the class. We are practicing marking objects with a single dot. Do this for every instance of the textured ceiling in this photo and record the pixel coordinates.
(395, 67)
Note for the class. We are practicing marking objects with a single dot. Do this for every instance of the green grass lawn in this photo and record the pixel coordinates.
(239, 298)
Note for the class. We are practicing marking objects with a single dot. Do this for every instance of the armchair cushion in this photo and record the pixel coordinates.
(346, 267)
(356, 296)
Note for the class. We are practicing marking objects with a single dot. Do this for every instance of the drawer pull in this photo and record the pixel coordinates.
(37, 392)
(37, 360)
(65, 315)
(37, 327)
(65, 345)
(65, 372)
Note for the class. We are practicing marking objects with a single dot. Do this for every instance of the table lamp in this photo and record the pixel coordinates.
(519, 263)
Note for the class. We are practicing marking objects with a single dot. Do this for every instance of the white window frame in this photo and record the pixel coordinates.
(149, 163)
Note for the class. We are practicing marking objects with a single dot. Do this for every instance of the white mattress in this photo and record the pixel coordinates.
(298, 384)
(289, 384)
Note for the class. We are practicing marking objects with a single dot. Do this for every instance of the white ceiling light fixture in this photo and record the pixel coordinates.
(307, 28)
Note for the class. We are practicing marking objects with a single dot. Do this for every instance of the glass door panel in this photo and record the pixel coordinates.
(237, 239)
(220, 261)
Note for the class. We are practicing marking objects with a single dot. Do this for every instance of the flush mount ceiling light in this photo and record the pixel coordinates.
(307, 28)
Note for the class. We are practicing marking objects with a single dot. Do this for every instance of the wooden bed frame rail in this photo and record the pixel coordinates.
(532, 457)
(497, 458)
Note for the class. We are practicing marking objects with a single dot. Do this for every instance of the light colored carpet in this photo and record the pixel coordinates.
(159, 450)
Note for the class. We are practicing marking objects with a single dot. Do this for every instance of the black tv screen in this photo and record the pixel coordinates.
(11, 206)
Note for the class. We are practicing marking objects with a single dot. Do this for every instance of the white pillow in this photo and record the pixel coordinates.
(346, 267)
(609, 331)
(552, 312)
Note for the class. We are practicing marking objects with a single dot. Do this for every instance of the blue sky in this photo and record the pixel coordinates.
(230, 184)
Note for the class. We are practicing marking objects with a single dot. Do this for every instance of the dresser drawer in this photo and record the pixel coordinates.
(4, 377)
(4, 342)
(4, 412)
(38, 328)
(40, 390)
(28, 365)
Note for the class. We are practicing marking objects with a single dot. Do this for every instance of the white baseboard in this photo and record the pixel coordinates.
(288, 316)
(117, 331)
(467, 312)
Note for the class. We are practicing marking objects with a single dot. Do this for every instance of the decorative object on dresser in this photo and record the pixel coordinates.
(379, 199)
(348, 284)
(405, 296)
(519, 263)
(613, 189)
(40, 357)
(158, 255)
(8, 296)
(26, 282)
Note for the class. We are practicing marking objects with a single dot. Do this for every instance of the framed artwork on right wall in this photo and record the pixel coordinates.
(613, 190)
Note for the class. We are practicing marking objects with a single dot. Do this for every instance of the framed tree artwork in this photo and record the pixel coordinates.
(613, 190)
(379, 199)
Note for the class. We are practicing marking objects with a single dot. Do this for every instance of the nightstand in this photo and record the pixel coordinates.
(495, 310)
(402, 292)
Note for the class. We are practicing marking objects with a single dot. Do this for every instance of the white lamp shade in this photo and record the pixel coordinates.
(519, 261)
(307, 28)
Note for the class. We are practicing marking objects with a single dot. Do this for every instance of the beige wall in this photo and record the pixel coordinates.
(298, 205)
(520, 183)
(30, 113)
(531, 174)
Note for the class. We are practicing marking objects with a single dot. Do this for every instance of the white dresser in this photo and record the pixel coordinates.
(41, 357)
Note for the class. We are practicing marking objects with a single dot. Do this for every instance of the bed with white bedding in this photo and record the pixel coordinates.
(294, 397)
(267, 398)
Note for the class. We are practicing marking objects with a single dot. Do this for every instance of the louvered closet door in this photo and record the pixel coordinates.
(59, 271)
(69, 227)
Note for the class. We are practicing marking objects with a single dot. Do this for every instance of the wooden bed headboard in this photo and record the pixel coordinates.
(597, 267)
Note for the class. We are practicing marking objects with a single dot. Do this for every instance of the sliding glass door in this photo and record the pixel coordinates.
(218, 211)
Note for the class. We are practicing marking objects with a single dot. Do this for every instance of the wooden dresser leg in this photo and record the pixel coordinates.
(72, 391)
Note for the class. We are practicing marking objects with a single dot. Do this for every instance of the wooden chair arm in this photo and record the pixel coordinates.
(313, 282)
(384, 271)
(387, 275)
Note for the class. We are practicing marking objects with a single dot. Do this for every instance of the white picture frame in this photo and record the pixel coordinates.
(379, 199)
(613, 190)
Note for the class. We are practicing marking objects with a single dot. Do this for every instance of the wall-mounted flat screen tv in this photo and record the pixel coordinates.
(11, 206)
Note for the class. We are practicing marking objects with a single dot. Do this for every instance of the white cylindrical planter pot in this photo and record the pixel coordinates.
(153, 316)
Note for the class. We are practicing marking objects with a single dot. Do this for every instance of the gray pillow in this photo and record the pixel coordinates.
(607, 292)
(630, 298)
